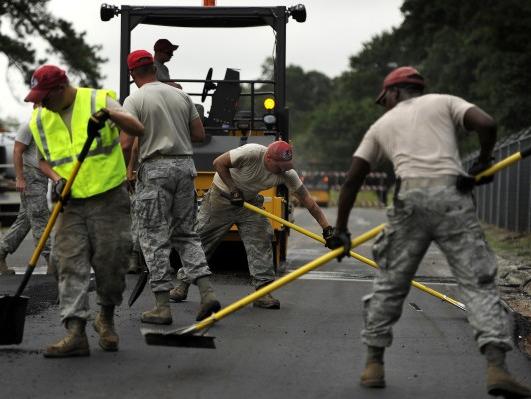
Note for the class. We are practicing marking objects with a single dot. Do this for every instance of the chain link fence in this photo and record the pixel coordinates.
(506, 202)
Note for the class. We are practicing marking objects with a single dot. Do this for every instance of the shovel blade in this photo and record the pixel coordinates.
(12, 317)
(143, 278)
(175, 338)
(139, 287)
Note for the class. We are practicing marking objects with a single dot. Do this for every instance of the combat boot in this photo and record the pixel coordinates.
(209, 302)
(74, 344)
(104, 326)
(180, 292)
(162, 312)
(267, 301)
(499, 381)
(373, 376)
(4, 270)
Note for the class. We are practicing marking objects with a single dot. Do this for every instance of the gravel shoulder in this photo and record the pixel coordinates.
(513, 251)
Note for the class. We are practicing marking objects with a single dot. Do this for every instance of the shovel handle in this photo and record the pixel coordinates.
(55, 213)
(517, 156)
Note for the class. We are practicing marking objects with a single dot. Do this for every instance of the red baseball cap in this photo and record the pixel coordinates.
(45, 79)
(281, 152)
(139, 58)
(405, 74)
(164, 45)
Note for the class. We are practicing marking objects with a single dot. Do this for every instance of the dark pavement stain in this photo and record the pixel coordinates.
(41, 295)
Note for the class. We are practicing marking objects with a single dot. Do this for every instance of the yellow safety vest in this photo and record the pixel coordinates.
(104, 166)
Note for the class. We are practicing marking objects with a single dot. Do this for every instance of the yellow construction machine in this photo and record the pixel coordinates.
(242, 111)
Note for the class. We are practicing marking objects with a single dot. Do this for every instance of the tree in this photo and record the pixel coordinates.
(29, 19)
(477, 49)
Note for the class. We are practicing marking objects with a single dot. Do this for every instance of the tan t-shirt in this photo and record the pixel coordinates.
(419, 136)
(166, 113)
(250, 174)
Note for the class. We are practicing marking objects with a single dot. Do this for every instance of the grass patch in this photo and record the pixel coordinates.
(508, 242)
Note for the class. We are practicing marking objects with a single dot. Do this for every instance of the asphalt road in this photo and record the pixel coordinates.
(310, 348)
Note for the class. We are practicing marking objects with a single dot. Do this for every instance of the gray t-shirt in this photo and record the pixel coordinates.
(29, 156)
(419, 136)
(250, 174)
(162, 71)
(166, 113)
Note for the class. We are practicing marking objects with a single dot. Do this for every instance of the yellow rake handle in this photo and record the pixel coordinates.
(359, 257)
(333, 254)
(283, 281)
(54, 215)
(503, 163)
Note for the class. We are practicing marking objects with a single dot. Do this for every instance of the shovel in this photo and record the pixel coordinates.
(186, 337)
(141, 282)
(13, 308)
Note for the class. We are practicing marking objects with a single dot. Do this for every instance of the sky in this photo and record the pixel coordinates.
(334, 31)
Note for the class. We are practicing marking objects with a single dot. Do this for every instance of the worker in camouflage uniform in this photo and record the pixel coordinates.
(166, 206)
(433, 202)
(93, 231)
(33, 213)
(241, 174)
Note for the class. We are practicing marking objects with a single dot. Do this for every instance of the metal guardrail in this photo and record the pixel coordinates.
(506, 202)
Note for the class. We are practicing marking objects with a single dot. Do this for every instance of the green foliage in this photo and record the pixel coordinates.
(29, 19)
(334, 134)
(478, 50)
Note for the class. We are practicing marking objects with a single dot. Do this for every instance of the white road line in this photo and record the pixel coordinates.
(344, 276)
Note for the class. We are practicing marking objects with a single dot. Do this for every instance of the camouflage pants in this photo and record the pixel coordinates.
(217, 215)
(448, 218)
(92, 233)
(166, 210)
(134, 223)
(33, 213)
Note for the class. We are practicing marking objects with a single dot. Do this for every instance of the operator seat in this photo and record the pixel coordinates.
(225, 101)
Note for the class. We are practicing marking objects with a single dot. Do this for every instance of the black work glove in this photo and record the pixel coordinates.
(57, 188)
(478, 167)
(97, 121)
(236, 197)
(328, 233)
(465, 184)
(340, 238)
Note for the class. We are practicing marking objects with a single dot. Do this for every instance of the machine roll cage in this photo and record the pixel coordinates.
(215, 17)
